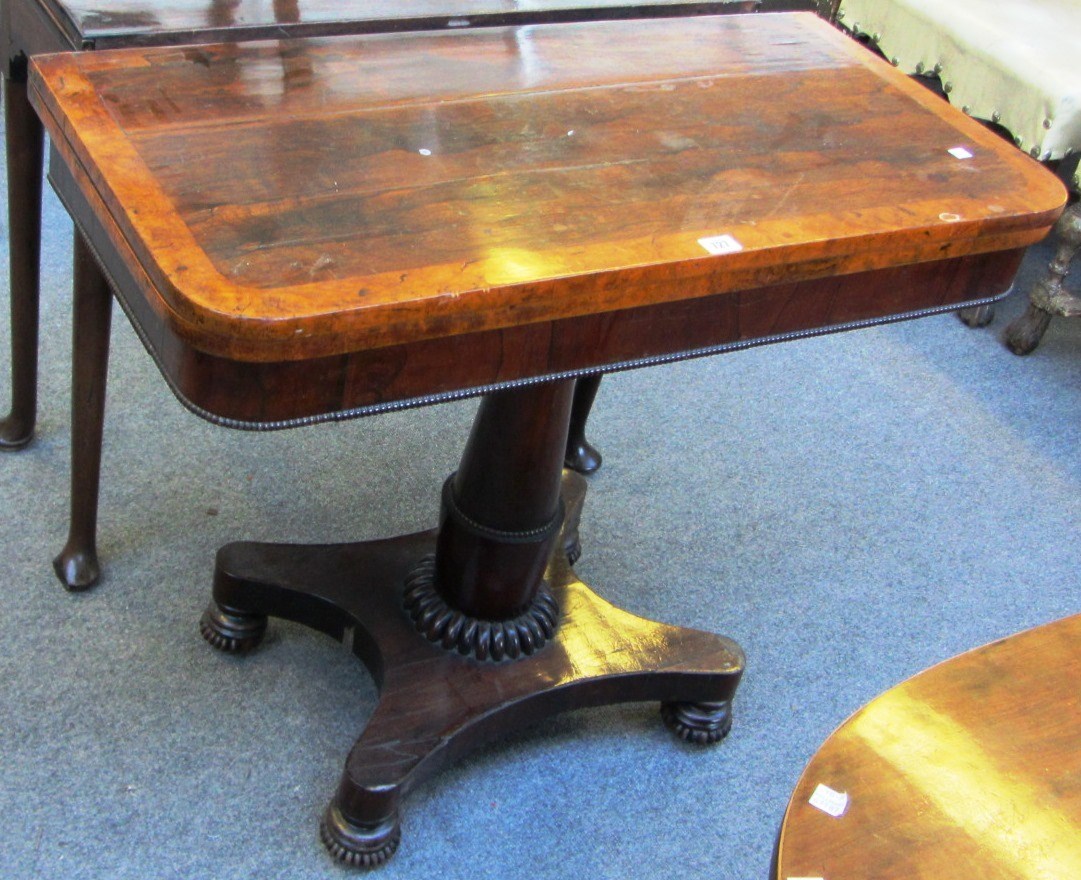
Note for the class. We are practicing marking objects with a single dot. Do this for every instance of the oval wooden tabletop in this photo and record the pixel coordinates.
(971, 769)
(306, 198)
(111, 23)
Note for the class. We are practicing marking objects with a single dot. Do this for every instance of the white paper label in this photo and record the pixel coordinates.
(960, 153)
(720, 244)
(831, 802)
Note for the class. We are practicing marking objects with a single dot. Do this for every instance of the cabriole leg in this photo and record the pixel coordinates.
(77, 565)
(24, 167)
(581, 455)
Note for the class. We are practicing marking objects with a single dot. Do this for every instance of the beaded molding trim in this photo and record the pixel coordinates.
(526, 536)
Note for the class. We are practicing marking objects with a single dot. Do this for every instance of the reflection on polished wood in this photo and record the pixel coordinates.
(110, 23)
(970, 769)
(314, 229)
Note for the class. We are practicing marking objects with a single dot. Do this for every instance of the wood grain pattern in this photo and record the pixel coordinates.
(970, 769)
(296, 252)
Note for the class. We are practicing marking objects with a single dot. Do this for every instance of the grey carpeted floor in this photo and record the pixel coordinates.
(851, 509)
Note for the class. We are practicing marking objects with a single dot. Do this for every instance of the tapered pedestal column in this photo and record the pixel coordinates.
(475, 629)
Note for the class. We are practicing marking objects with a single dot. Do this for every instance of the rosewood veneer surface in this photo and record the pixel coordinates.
(413, 215)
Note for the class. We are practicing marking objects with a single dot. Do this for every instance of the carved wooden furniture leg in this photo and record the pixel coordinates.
(977, 316)
(1050, 296)
(581, 455)
(474, 629)
(24, 167)
(77, 565)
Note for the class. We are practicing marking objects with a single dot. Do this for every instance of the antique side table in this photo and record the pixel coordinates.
(969, 769)
(32, 27)
(312, 229)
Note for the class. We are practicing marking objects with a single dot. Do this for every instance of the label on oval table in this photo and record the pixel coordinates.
(833, 803)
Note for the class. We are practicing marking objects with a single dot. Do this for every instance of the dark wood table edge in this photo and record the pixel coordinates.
(482, 390)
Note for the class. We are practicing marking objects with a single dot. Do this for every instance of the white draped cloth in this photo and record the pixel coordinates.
(1016, 62)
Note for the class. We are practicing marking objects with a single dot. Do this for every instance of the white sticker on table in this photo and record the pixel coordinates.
(833, 803)
(960, 153)
(721, 244)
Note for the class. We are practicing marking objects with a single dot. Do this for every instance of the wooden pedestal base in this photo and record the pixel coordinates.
(437, 705)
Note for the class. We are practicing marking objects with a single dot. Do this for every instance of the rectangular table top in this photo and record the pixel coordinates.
(284, 201)
(111, 23)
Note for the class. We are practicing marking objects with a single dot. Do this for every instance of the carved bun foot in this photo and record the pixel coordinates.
(1024, 334)
(356, 845)
(699, 723)
(977, 316)
(78, 570)
(583, 457)
(232, 632)
(14, 434)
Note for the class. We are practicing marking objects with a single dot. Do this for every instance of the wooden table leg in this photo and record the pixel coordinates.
(977, 316)
(475, 629)
(25, 141)
(77, 564)
(581, 455)
(1050, 296)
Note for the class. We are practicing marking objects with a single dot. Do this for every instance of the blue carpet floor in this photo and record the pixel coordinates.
(851, 509)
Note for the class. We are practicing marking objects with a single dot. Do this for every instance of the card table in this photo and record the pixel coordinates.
(322, 228)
